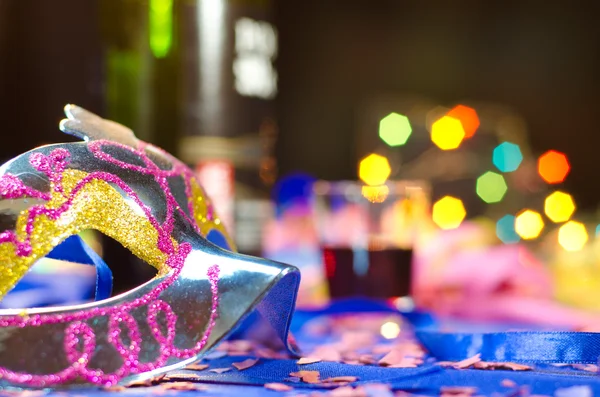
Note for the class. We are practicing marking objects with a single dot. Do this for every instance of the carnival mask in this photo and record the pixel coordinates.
(152, 204)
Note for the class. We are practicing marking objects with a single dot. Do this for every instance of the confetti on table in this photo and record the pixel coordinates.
(347, 391)
(182, 386)
(494, 365)
(393, 357)
(407, 362)
(366, 359)
(467, 362)
(457, 391)
(342, 379)
(508, 383)
(219, 370)
(197, 367)
(182, 376)
(308, 360)
(278, 387)
(242, 365)
(586, 367)
(307, 376)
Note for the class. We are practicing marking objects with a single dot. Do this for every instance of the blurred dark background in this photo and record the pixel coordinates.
(539, 58)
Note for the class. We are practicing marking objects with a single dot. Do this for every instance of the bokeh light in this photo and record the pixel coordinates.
(394, 129)
(559, 206)
(390, 330)
(160, 27)
(468, 118)
(448, 212)
(553, 166)
(572, 236)
(505, 230)
(376, 194)
(447, 133)
(597, 230)
(374, 170)
(529, 224)
(507, 156)
(491, 187)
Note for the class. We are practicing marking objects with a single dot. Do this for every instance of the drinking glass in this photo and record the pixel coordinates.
(367, 235)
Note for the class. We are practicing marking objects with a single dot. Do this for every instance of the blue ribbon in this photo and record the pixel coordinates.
(526, 347)
(74, 249)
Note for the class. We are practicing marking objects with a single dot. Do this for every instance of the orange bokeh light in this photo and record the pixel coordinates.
(468, 118)
(553, 166)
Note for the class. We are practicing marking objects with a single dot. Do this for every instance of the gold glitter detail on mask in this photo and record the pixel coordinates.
(97, 206)
(199, 200)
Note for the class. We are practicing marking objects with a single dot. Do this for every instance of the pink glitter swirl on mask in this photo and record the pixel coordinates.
(131, 352)
(160, 176)
(11, 187)
(75, 333)
(53, 165)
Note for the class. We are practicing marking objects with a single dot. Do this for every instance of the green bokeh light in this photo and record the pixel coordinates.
(394, 129)
(491, 187)
(161, 27)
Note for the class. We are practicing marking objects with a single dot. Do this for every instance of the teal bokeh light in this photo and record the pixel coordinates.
(505, 230)
(507, 157)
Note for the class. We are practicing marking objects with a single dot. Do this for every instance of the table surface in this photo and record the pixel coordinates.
(352, 336)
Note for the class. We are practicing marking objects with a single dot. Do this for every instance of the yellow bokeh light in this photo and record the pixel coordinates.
(529, 224)
(447, 133)
(572, 236)
(390, 330)
(559, 206)
(375, 194)
(448, 212)
(374, 170)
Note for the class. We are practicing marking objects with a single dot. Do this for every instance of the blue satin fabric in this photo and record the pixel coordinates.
(526, 347)
(218, 239)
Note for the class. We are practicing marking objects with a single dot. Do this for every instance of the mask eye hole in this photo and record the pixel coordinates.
(128, 270)
(77, 272)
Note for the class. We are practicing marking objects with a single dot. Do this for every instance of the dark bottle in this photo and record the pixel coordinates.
(141, 58)
(228, 114)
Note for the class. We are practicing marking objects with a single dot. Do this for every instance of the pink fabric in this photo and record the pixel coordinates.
(459, 274)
